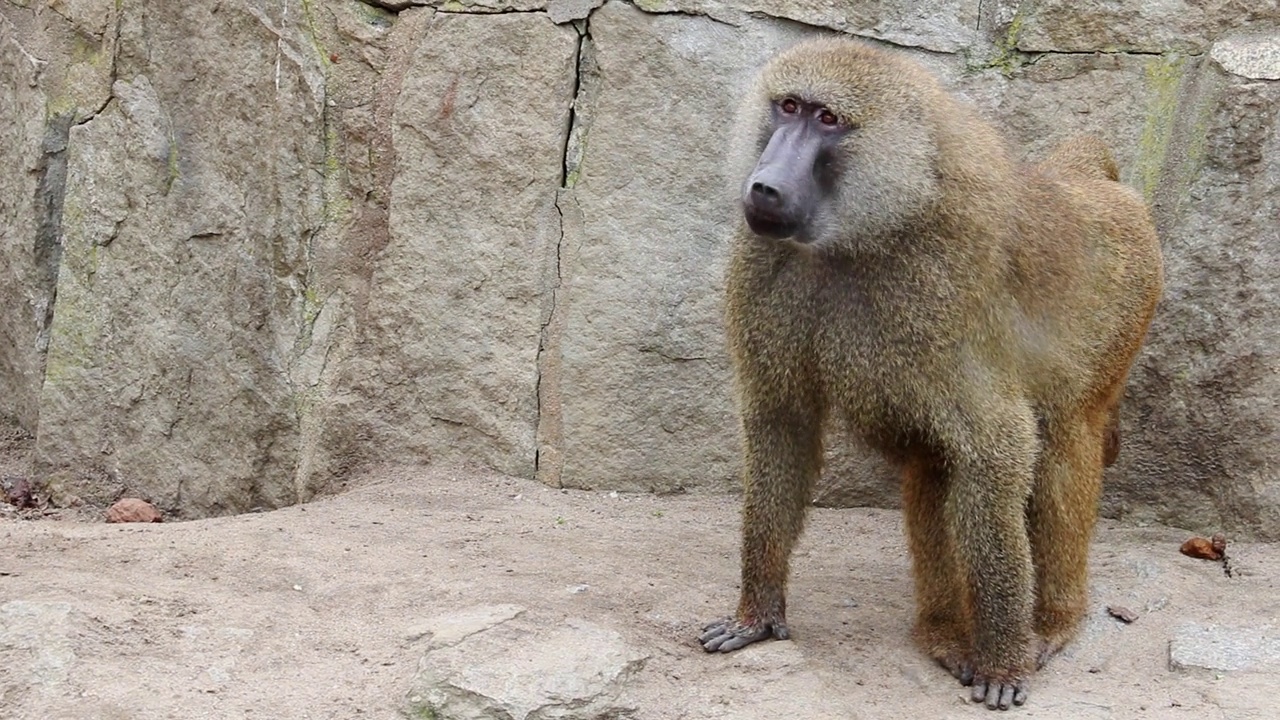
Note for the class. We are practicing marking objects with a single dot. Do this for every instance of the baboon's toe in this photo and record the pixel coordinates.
(997, 692)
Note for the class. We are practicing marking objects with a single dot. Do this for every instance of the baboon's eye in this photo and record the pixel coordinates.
(790, 106)
(828, 118)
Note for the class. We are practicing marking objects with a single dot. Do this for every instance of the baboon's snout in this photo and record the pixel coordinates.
(770, 207)
(767, 211)
(780, 189)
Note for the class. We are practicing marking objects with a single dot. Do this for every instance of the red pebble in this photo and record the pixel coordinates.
(132, 510)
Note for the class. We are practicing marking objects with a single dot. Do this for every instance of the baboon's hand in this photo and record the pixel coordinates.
(727, 635)
(998, 692)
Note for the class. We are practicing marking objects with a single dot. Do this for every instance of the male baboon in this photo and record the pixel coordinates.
(973, 317)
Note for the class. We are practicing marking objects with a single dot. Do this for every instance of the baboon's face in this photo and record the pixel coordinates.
(796, 172)
(844, 156)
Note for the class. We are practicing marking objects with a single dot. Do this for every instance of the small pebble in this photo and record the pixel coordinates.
(1123, 614)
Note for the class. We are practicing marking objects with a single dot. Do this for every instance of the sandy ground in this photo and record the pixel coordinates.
(307, 612)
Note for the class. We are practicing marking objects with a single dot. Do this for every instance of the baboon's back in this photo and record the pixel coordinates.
(1090, 259)
(1085, 156)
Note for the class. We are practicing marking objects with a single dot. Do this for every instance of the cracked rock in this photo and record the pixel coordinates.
(451, 628)
(562, 11)
(466, 277)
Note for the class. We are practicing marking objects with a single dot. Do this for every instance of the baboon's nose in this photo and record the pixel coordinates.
(767, 196)
(766, 210)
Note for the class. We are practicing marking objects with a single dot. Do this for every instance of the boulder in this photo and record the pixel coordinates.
(133, 510)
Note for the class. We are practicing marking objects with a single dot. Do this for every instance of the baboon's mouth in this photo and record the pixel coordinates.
(768, 225)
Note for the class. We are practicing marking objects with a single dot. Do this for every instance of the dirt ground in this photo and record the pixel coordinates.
(307, 612)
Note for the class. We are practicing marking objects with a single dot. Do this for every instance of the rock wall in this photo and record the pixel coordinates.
(247, 248)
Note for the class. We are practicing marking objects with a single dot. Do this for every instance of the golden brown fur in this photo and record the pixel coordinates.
(975, 318)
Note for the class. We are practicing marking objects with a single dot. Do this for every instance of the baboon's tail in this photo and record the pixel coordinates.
(1084, 155)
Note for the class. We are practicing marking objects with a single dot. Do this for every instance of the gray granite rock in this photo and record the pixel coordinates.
(1161, 26)
(1255, 56)
(640, 367)
(1201, 432)
(1226, 649)
(55, 70)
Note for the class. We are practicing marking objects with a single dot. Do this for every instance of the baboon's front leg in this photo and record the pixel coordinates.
(989, 480)
(783, 459)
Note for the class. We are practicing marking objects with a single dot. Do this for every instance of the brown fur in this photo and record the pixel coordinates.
(976, 320)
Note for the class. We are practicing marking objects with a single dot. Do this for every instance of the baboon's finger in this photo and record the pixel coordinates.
(728, 635)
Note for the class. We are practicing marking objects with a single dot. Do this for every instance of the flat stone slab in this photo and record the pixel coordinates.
(36, 648)
(452, 628)
(1214, 647)
(520, 669)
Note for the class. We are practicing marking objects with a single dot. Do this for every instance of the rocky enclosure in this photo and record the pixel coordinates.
(247, 248)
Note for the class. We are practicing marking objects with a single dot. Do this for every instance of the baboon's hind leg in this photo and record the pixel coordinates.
(1061, 518)
(1111, 437)
(941, 627)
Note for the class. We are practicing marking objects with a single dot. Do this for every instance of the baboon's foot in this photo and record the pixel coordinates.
(1046, 649)
(998, 690)
(728, 634)
(1054, 630)
(959, 664)
(941, 641)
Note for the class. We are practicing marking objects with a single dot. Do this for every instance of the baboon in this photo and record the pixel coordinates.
(974, 317)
